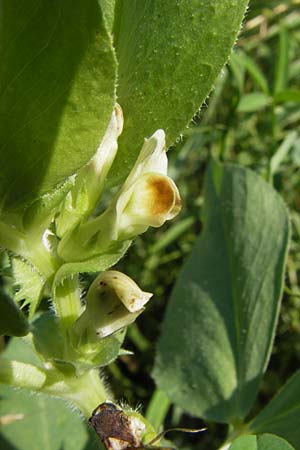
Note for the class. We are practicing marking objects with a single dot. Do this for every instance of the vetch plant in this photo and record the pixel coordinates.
(64, 142)
(77, 341)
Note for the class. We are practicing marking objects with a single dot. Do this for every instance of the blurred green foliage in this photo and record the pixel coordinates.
(251, 119)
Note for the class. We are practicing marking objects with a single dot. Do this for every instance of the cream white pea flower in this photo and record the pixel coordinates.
(148, 197)
(113, 301)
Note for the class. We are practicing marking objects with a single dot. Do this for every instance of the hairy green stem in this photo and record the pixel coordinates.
(66, 301)
(86, 391)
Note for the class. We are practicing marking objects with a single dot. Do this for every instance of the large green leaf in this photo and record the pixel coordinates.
(57, 82)
(220, 323)
(47, 423)
(282, 415)
(170, 53)
(264, 442)
(108, 10)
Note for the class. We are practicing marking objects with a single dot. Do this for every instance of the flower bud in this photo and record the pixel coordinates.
(89, 181)
(113, 301)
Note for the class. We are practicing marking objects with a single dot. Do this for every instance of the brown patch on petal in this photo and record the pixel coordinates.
(162, 195)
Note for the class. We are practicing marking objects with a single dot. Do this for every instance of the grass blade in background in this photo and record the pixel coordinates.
(57, 83)
(169, 55)
(282, 67)
(255, 101)
(253, 69)
(287, 96)
(220, 322)
(282, 152)
(158, 409)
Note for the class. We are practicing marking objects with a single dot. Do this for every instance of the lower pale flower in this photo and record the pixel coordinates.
(113, 301)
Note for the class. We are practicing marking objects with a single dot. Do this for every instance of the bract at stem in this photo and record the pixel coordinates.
(89, 181)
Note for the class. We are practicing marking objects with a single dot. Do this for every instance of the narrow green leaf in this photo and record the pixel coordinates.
(254, 70)
(220, 323)
(264, 442)
(238, 71)
(172, 234)
(169, 54)
(253, 102)
(57, 83)
(157, 409)
(282, 415)
(282, 66)
(12, 321)
(282, 151)
(287, 96)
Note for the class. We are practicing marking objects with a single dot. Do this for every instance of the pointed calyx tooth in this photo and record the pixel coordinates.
(107, 149)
